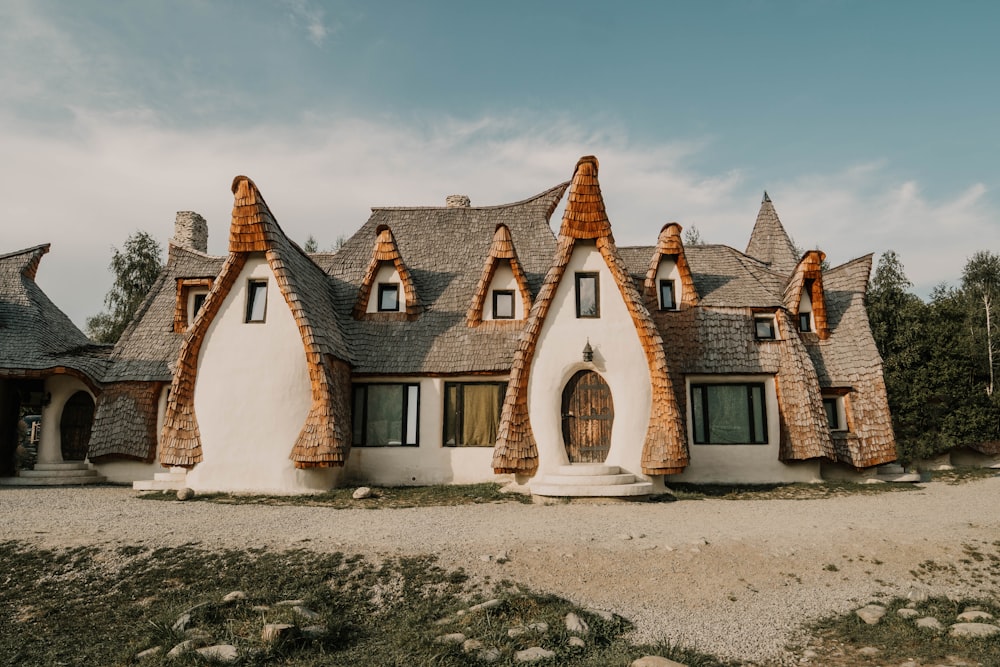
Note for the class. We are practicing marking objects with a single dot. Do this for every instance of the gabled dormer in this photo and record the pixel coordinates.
(804, 297)
(769, 242)
(387, 291)
(502, 294)
(669, 285)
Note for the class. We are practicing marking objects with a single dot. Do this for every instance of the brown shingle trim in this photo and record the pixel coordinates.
(809, 269)
(386, 250)
(501, 249)
(184, 287)
(42, 373)
(669, 244)
(125, 422)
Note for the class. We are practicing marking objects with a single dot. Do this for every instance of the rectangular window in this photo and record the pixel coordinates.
(667, 295)
(588, 298)
(764, 328)
(836, 412)
(472, 413)
(388, 297)
(503, 304)
(385, 415)
(199, 301)
(256, 300)
(729, 414)
(805, 322)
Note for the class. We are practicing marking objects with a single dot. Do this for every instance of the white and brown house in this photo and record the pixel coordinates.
(462, 344)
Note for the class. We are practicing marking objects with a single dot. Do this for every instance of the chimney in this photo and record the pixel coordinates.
(191, 231)
(457, 201)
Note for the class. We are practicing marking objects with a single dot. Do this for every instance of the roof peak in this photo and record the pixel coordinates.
(769, 242)
(766, 198)
(585, 216)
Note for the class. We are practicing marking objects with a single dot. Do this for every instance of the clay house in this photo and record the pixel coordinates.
(48, 367)
(464, 343)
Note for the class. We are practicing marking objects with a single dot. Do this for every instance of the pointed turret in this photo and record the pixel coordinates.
(585, 217)
(769, 242)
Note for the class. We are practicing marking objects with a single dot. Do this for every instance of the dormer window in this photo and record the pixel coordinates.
(503, 304)
(764, 327)
(197, 301)
(388, 297)
(805, 322)
(805, 308)
(256, 300)
(667, 300)
(835, 407)
(588, 300)
(191, 295)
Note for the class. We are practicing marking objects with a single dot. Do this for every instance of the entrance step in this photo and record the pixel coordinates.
(590, 480)
(162, 481)
(69, 473)
(893, 472)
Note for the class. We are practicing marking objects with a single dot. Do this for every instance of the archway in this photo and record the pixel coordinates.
(588, 413)
(74, 427)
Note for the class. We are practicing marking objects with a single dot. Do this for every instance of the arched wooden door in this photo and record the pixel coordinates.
(587, 415)
(74, 427)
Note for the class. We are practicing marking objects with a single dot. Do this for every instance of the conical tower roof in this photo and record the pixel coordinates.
(769, 242)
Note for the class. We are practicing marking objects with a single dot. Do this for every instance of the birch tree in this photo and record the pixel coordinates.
(981, 282)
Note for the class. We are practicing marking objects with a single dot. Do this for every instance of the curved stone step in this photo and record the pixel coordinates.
(590, 480)
(52, 481)
(584, 491)
(68, 473)
(63, 465)
(587, 469)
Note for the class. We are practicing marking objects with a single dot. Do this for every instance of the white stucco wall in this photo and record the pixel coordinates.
(126, 472)
(429, 462)
(60, 389)
(667, 270)
(749, 464)
(252, 396)
(503, 279)
(618, 357)
(386, 273)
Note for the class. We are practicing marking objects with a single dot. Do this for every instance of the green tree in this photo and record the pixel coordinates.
(692, 236)
(311, 244)
(981, 282)
(135, 268)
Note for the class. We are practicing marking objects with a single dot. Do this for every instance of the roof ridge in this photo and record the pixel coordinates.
(561, 187)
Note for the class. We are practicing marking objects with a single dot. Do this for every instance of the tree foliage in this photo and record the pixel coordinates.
(311, 244)
(134, 268)
(692, 236)
(933, 363)
(981, 282)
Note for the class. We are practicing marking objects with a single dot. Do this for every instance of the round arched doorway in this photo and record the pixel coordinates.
(74, 427)
(587, 416)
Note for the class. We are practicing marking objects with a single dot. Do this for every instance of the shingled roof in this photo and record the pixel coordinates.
(769, 242)
(501, 250)
(664, 450)
(38, 338)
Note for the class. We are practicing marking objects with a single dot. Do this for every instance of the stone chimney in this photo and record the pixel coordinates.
(457, 201)
(191, 231)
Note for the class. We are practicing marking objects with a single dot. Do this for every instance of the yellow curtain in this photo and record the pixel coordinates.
(481, 415)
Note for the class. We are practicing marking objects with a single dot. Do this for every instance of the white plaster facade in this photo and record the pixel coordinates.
(503, 279)
(667, 270)
(618, 357)
(386, 275)
(125, 471)
(252, 395)
(60, 389)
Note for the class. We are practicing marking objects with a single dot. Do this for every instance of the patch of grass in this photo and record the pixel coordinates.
(382, 497)
(899, 639)
(799, 491)
(94, 607)
(961, 475)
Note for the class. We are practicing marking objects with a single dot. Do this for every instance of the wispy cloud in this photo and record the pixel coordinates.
(312, 19)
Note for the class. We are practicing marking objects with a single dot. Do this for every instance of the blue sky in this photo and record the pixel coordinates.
(873, 125)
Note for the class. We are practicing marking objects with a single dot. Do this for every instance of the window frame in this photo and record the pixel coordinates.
(385, 288)
(667, 282)
(513, 304)
(579, 277)
(805, 322)
(460, 415)
(252, 286)
(837, 398)
(770, 320)
(195, 306)
(362, 389)
(703, 387)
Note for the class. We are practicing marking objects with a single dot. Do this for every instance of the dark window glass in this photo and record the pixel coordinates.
(805, 322)
(199, 301)
(388, 298)
(729, 414)
(503, 304)
(830, 405)
(764, 328)
(667, 301)
(472, 413)
(588, 299)
(256, 300)
(385, 414)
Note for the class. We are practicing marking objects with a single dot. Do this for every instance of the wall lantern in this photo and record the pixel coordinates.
(588, 352)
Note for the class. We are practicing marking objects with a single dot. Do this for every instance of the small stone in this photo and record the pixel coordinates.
(183, 647)
(576, 642)
(149, 653)
(539, 626)
(600, 613)
(871, 614)
(930, 623)
(444, 621)
(917, 593)
(182, 622)
(534, 653)
(973, 615)
(906, 612)
(809, 653)
(501, 557)
(973, 630)
(234, 596)
(313, 631)
(185, 494)
(667, 547)
(260, 608)
(869, 650)
(909, 663)
(290, 603)
(576, 624)
(198, 633)
(655, 661)
(625, 537)
(489, 655)
(451, 638)
(306, 612)
(516, 631)
(273, 632)
(486, 558)
(361, 493)
(489, 604)
(470, 645)
(220, 653)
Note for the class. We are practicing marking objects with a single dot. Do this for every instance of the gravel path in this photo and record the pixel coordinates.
(735, 578)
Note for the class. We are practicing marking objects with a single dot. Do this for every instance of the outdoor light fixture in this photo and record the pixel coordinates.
(588, 352)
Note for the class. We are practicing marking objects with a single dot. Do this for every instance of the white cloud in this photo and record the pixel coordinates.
(321, 175)
(310, 18)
